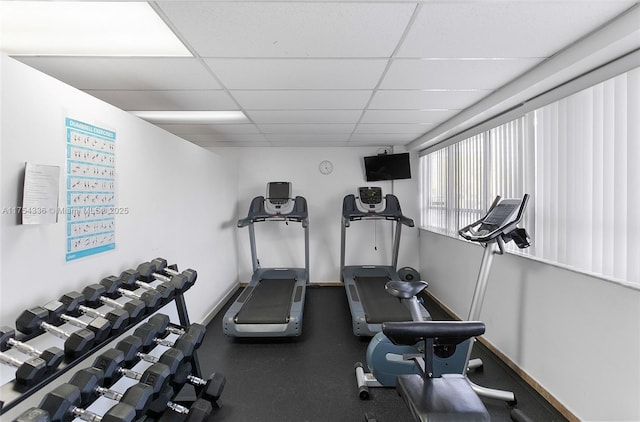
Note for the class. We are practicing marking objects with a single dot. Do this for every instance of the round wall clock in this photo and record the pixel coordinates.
(325, 167)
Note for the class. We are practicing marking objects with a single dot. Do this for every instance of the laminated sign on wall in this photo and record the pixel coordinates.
(90, 208)
(40, 194)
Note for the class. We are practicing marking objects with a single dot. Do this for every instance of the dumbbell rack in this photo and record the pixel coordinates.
(16, 398)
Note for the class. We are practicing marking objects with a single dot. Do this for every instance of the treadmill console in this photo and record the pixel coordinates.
(370, 199)
(278, 199)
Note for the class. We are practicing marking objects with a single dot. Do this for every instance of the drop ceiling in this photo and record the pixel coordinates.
(347, 73)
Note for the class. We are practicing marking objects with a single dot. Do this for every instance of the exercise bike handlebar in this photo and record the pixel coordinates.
(490, 231)
(447, 332)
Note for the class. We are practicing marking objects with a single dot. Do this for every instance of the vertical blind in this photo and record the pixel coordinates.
(578, 157)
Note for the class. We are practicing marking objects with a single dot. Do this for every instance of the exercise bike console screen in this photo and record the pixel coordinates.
(501, 214)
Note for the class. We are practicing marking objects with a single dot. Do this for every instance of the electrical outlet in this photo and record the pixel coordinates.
(385, 150)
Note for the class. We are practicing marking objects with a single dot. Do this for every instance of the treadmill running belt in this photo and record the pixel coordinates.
(379, 306)
(269, 303)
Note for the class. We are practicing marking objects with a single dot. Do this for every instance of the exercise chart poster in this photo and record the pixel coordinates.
(90, 203)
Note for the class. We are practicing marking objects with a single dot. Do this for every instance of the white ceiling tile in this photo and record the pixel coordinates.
(421, 100)
(305, 71)
(224, 144)
(126, 73)
(298, 73)
(289, 29)
(454, 74)
(407, 116)
(299, 99)
(384, 139)
(212, 129)
(381, 128)
(307, 128)
(302, 138)
(166, 99)
(310, 144)
(204, 139)
(502, 28)
(304, 116)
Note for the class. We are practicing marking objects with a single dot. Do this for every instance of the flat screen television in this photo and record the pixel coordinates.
(387, 167)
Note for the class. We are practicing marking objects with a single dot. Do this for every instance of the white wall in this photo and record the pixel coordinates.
(578, 336)
(181, 199)
(280, 245)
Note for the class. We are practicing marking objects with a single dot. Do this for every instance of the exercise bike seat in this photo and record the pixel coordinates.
(449, 398)
(405, 289)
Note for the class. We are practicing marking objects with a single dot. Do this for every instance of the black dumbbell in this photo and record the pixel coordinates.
(33, 320)
(149, 334)
(161, 321)
(209, 389)
(162, 324)
(131, 281)
(161, 266)
(62, 403)
(199, 411)
(152, 299)
(75, 306)
(33, 415)
(112, 363)
(98, 294)
(181, 370)
(148, 271)
(52, 356)
(89, 382)
(131, 346)
(100, 327)
(29, 372)
(112, 283)
(133, 350)
(186, 343)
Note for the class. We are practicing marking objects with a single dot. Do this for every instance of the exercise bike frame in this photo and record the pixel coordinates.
(386, 360)
(493, 244)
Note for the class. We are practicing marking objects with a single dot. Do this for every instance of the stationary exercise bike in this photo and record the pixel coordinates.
(453, 396)
(386, 360)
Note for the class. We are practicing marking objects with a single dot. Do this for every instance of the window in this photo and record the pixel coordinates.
(578, 158)
(588, 180)
(434, 171)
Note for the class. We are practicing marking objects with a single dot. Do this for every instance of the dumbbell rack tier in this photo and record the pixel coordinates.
(16, 398)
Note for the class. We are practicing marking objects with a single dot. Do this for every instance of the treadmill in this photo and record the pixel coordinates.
(369, 302)
(272, 304)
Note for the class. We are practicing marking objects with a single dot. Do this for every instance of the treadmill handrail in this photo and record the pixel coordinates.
(257, 213)
(407, 221)
(391, 212)
(403, 220)
(469, 233)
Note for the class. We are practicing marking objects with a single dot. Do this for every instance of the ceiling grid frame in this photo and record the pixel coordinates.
(341, 73)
